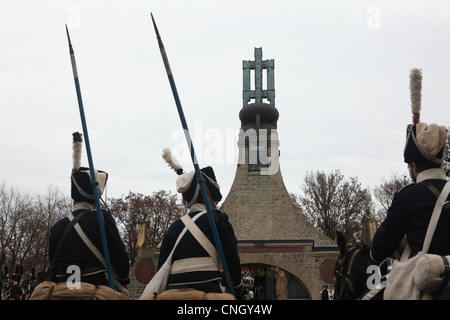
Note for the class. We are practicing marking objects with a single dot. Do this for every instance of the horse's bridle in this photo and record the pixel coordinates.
(339, 271)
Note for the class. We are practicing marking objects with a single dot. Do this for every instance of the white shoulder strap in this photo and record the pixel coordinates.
(97, 253)
(431, 225)
(169, 258)
(88, 242)
(201, 238)
(435, 217)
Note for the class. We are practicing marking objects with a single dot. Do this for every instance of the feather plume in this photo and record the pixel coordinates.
(77, 144)
(415, 86)
(172, 161)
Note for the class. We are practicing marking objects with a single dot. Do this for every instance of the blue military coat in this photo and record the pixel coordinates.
(189, 248)
(409, 214)
(75, 252)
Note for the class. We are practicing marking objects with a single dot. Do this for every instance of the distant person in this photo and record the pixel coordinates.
(325, 294)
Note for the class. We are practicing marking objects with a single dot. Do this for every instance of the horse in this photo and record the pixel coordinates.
(355, 267)
(352, 270)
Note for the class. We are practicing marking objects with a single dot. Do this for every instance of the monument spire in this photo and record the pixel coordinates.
(273, 235)
(259, 65)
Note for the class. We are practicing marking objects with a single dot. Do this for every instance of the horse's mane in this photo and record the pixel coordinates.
(359, 253)
(365, 249)
(364, 259)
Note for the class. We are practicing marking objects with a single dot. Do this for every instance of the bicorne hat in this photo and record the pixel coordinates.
(425, 144)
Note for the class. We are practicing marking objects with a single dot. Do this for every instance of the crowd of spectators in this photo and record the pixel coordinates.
(16, 285)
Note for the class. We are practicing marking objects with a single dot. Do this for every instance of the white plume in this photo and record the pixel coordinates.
(415, 86)
(172, 161)
(77, 145)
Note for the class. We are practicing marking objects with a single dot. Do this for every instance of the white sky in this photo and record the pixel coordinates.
(341, 80)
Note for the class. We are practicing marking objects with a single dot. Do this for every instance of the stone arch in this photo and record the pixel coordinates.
(307, 278)
(268, 282)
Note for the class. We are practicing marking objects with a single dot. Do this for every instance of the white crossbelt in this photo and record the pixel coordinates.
(193, 264)
(210, 263)
(99, 256)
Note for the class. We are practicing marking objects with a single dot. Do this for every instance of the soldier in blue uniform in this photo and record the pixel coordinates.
(191, 264)
(412, 206)
(74, 250)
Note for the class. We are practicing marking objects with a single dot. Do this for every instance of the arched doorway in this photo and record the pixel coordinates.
(264, 282)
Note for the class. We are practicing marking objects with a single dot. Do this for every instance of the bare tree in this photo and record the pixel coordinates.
(166, 208)
(50, 208)
(354, 201)
(25, 223)
(384, 193)
(331, 203)
(15, 209)
(159, 210)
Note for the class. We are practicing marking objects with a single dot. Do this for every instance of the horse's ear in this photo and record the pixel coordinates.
(340, 239)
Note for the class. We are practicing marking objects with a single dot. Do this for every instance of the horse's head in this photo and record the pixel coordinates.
(351, 270)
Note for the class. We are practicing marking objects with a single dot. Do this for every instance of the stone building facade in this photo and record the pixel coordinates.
(290, 258)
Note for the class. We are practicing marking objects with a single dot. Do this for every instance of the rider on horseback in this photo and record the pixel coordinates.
(412, 206)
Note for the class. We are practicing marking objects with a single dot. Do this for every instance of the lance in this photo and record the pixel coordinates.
(198, 174)
(94, 183)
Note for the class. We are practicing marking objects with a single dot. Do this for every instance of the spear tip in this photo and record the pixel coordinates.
(154, 25)
(68, 36)
(68, 39)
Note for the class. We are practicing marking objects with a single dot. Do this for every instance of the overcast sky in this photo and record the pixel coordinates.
(341, 80)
